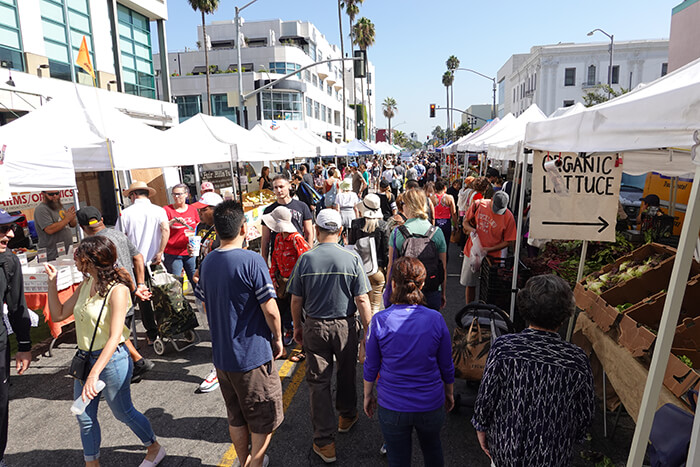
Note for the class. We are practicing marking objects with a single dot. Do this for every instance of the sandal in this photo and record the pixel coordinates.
(298, 357)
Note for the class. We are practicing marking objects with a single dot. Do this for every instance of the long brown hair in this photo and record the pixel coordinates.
(102, 254)
(408, 275)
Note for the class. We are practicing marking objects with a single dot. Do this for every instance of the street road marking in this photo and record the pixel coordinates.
(230, 456)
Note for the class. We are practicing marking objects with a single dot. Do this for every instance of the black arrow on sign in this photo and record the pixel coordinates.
(603, 223)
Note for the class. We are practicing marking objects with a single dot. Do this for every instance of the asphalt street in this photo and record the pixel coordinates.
(192, 427)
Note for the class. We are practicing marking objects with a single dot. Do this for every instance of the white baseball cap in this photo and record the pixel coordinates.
(208, 199)
(329, 219)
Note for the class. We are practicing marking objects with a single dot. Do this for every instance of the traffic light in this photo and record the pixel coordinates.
(329, 136)
(432, 110)
(359, 67)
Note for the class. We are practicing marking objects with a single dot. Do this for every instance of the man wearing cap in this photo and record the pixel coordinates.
(495, 226)
(147, 226)
(649, 208)
(12, 293)
(128, 258)
(330, 329)
(207, 187)
(53, 223)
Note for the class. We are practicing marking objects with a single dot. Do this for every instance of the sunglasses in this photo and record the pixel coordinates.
(7, 227)
(52, 193)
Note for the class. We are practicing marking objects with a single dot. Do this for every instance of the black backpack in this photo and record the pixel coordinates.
(424, 249)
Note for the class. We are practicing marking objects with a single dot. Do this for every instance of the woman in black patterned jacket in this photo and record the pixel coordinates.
(536, 398)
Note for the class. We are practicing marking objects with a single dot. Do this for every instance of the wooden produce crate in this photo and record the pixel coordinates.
(601, 308)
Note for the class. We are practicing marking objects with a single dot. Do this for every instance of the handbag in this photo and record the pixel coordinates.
(669, 439)
(281, 287)
(80, 365)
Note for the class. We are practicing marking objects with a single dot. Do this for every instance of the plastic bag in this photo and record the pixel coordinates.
(477, 253)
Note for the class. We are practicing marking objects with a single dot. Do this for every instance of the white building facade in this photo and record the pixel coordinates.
(554, 76)
(39, 43)
(313, 98)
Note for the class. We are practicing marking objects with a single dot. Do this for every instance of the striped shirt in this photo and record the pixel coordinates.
(328, 278)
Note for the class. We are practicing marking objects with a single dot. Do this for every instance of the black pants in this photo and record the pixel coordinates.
(148, 316)
(4, 388)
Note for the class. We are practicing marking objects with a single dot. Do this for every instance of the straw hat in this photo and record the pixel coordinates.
(346, 185)
(279, 220)
(139, 186)
(370, 207)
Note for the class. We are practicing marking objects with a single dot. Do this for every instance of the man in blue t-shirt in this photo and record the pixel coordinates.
(246, 334)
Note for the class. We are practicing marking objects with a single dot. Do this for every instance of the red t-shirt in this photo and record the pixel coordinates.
(177, 243)
(491, 228)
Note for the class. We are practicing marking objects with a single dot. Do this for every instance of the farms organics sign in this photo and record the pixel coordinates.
(29, 200)
(575, 197)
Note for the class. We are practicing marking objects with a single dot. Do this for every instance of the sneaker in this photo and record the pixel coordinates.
(382, 450)
(210, 383)
(141, 367)
(288, 338)
(344, 424)
(327, 452)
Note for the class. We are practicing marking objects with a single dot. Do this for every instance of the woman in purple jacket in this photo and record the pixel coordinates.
(409, 345)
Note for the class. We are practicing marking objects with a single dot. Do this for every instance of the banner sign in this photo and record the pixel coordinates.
(30, 200)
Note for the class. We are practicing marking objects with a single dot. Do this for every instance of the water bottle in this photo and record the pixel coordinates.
(79, 405)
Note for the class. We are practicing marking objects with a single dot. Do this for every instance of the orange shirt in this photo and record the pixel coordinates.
(491, 228)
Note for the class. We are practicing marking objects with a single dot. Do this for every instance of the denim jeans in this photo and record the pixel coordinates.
(174, 264)
(117, 392)
(397, 428)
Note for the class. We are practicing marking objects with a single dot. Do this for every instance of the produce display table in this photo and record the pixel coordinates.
(625, 373)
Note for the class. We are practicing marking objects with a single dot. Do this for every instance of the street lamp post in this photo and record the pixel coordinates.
(241, 102)
(610, 67)
(493, 109)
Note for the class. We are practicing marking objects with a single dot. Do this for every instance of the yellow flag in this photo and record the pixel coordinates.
(83, 60)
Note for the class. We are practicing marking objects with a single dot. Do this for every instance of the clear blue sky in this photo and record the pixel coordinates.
(415, 38)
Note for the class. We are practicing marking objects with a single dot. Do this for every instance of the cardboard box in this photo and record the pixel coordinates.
(601, 308)
(639, 324)
(679, 378)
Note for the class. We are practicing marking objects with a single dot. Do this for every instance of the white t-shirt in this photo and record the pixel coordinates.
(141, 223)
(388, 175)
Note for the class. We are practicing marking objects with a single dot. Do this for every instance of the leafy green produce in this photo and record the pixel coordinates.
(622, 273)
(687, 361)
(623, 307)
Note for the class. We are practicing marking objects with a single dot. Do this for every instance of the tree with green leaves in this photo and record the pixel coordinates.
(389, 108)
(447, 79)
(463, 130)
(438, 133)
(352, 9)
(601, 93)
(206, 7)
(452, 64)
(364, 36)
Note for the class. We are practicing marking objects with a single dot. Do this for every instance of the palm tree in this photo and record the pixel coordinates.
(447, 79)
(364, 32)
(342, 55)
(206, 7)
(452, 64)
(390, 109)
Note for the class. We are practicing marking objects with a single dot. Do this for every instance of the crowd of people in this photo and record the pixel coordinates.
(376, 233)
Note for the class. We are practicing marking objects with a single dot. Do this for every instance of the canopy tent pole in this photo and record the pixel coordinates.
(667, 329)
(519, 223)
(579, 276)
(76, 205)
(694, 450)
(234, 156)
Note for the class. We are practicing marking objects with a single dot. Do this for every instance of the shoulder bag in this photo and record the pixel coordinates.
(80, 365)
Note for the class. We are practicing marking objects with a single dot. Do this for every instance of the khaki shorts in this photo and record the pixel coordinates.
(253, 398)
(468, 278)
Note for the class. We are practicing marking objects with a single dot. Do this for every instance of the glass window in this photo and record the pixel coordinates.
(312, 51)
(570, 77)
(615, 79)
(281, 106)
(188, 106)
(220, 108)
(317, 108)
(664, 69)
(329, 89)
(568, 103)
(314, 79)
(10, 37)
(309, 108)
(63, 36)
(307, 75)
(323, 113)
(591, 75)
(136, 54)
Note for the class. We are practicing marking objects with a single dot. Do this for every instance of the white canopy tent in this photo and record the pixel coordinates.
(208, 139)
(572, 109)
(293, 145)
(476, 144)
(505, 145)
(663, 114)
(326, 148)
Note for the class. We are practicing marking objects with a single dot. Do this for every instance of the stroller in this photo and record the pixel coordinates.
(175, 317)
(478, 325)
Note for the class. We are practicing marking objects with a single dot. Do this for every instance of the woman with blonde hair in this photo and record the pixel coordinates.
(417, 225)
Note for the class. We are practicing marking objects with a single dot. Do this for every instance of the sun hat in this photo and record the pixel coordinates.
(6, 218)
(499, 203)
(89, 215)
(279, 220)
(206, 187)
(208, 199)
(136, 185)
(370, 207)
(346, 185)
(329, 219)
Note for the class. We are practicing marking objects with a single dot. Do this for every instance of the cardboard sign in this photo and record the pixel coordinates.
(586, 209)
